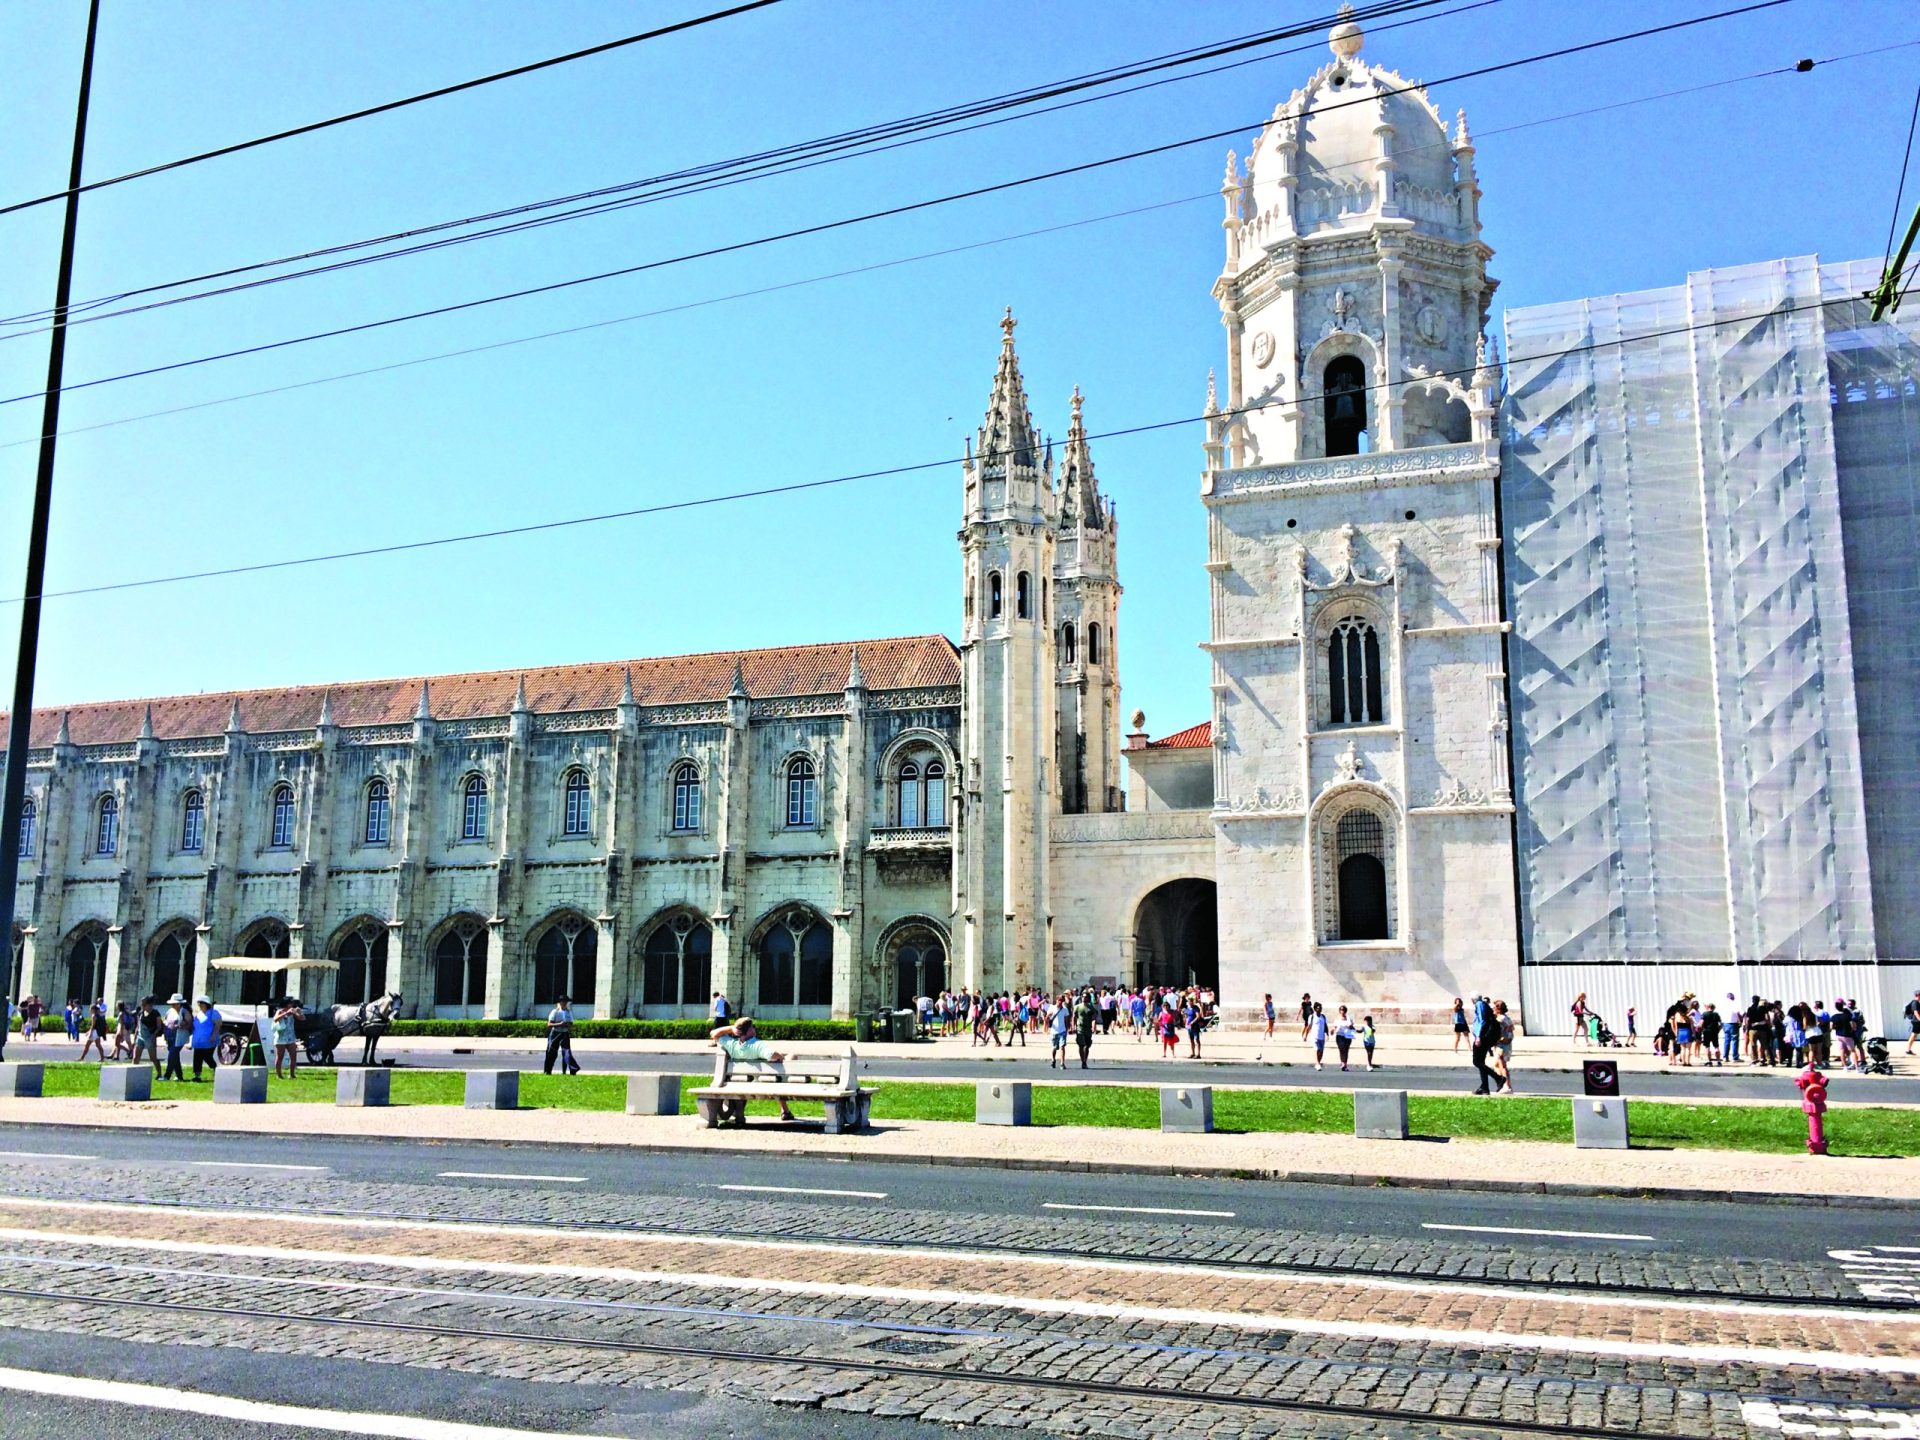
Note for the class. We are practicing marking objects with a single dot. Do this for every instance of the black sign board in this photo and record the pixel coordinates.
(1602, 1077)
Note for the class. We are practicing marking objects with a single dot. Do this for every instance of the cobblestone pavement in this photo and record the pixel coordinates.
(1063, 1343)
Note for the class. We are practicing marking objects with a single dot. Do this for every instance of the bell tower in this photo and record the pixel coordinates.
(1086, 633)
(1007, 721)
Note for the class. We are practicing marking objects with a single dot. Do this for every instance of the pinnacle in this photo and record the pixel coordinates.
(1079, 492)
(1007, 437)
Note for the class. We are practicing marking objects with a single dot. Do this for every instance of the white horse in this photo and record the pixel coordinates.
(369, 1021)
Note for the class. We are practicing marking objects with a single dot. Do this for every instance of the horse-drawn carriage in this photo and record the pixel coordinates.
(318, 1028)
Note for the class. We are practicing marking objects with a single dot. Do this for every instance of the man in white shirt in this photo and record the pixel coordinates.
(741, 1041)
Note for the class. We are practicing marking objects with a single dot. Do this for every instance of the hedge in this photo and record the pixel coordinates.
(621, 1029)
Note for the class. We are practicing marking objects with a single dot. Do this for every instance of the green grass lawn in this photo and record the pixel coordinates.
(1768, 1129)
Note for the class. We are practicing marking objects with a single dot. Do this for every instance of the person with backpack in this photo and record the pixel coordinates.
(1486, 1039)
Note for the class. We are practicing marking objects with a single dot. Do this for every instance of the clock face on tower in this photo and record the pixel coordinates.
(1263, 349)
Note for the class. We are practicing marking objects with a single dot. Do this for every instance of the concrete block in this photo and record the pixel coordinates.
(126, 1082)
(21, 1081)
(367, 1085)
(493, 1089)
(240, 1085)
(650, 1094)
(1599, 1122)
(1380, 1114)
(1003, 1102)
(1186, 1109)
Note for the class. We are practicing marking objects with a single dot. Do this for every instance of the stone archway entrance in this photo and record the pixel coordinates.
(1176, 936)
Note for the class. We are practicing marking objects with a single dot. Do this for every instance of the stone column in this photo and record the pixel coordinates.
(851, 978)
(410, 789)
(731, 795)
(1391, 401)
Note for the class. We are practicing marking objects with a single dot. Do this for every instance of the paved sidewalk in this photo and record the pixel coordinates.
(1466, 1164)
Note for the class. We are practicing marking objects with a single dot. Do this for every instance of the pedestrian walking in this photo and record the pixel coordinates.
(147, 1032)
(1580, 1017)
(1503, 1049)
(1459, 1023)
(719, 1010)
(1486, 1039)
(1633, 1026)
(1195, 1021)
(560, 1037)
(1317, 1035)
(284, 1049)
(73, 1019)
(1912, 1012)
(206, 1035)
(1343, 1033)
(1059, 1021)
(30, 1012)
(174, 1030)
(1083, 1018)
(1266, 1007)
(1367, 1039)
(96, 1032)
(1307, 1007)
(125, 1023)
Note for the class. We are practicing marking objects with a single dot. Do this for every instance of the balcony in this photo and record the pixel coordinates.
(910, 839)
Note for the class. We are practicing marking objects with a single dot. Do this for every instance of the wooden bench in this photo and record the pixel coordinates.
(823, 1079)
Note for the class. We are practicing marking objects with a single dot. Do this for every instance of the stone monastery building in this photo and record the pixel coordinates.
(1592, 672)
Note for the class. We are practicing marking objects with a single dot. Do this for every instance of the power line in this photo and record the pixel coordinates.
(1900, 194)
(907, 208)
(382, 108)
(797, 486)
(1209, 195)
(785, 160)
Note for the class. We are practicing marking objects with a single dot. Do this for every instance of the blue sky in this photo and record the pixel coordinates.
(886, 368)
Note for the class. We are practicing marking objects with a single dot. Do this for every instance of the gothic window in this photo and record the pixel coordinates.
(106, 829)
(579, 803)
(802, 793)
(1093, 644)
(993, 596)
(460, 965)
(935, 808)
(1361, 876)
(909, 794)
(796, 961)
(363, 964)
(281, 835)
(1023, 596)
(87, 963)
(27, 817)
(919, 967)
(677, 963)
(473, 809)
(193, 822)
(565, 961)
(379, 812)
(269, 942)
(1069, 644)
(1343, 399)
(173, 959)
(1354, 689)
(686, 796)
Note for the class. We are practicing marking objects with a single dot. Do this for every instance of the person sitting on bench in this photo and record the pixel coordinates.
(742, 1042)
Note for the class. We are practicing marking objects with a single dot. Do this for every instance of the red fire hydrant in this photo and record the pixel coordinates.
(1813, 1100)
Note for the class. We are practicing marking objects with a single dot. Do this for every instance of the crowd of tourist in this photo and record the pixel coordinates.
(1763, 1032)
(1165, 1014)
(139, 1031)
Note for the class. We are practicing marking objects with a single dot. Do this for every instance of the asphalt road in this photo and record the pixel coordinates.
(1680, 1228)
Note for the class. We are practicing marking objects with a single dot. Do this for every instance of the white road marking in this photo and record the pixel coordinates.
(167, 1400)
(1043, 1305)
(249, 1165)
(508, 1175)
(1878, 1274)
(803, 1190)
(1866, 1420)
(1556, 1234)
(44, 1155)
(1136, 1210)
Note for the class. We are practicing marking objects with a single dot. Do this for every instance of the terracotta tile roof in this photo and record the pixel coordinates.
(1194, 737)
(894, 664)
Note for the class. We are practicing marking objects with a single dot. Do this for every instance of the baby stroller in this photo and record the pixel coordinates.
(1879, 1056)
(1602, 1032)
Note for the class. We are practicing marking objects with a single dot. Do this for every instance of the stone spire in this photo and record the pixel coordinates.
(520, 695)
(1079, 492)
(855, 680)
(65, 735)
(326, 707)
(738, 691)
(626, 685)
(424, 710)
(1007, 437)
(233, 716)
(146, 724)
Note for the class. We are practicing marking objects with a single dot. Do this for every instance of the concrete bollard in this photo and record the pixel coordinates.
(240, 1085)
(651, 1094)
(1003, 1102)
(1599, 1122)
(21, 1081)
(368, 1085)
(1380, 1114)
(126, 1082)
(493, 1090)
(1186, 1109)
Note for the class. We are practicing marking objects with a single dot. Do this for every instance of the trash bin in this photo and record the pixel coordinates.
(863, 1029)
(903, 1027)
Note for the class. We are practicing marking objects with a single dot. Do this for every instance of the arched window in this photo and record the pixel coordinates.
(1069, 644)
(579, 803)
(1343, 400)
(27, 817)
(910, 794)
(1354, 686)
(919, 967)
(921, 785)
(87, 963)
(1023, 595)
(257, 987)
(565, 962)
(1360, 854)
(363, 964)
(173, 959)
(935, 809)
(281, 835)
(106, 829)
(686, 796)
(802, 792)
(796, 961)
(677, 962)
(193, 822)
(1093, 644)
(993, 596)
(460, 968)
(379, 812)
(473, 809)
